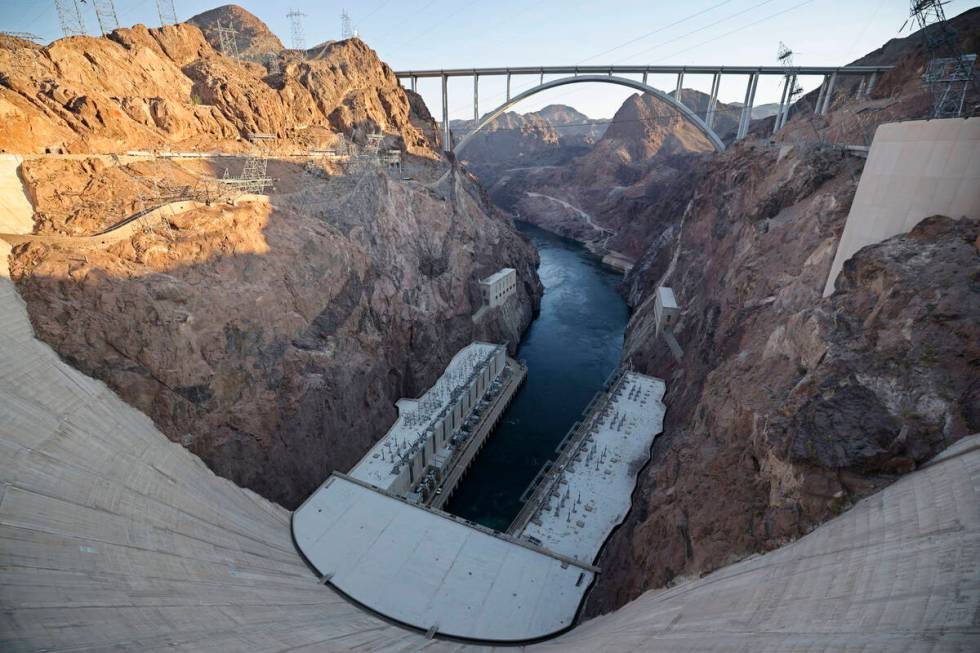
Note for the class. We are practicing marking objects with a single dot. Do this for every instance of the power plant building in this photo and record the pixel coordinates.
(499, 286)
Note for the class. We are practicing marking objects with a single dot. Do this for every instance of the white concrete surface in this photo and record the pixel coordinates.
(428, 570)
(591, 495)
(16, 211)
(915, 169)
(499, 286)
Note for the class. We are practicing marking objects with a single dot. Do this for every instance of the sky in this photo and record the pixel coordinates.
(476, 33)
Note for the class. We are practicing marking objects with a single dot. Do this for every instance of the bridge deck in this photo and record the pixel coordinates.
(653, 70)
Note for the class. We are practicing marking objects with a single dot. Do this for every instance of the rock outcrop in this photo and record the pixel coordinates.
(169, 88)
(595, 197)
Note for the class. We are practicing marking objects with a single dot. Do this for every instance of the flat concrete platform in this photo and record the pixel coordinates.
(433, 571)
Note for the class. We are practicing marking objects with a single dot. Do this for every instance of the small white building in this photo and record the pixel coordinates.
(665, 308)
(499, 286)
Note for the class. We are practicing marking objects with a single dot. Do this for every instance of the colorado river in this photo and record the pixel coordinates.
(570, 350)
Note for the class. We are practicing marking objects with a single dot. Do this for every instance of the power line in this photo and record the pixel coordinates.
(700, 29)
(656, 31)
(734, 31)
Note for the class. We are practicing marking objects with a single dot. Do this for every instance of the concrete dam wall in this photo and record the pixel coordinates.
(113, 537)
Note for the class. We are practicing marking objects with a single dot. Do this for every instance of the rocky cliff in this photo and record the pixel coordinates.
(271, 335)
(169, 88)
(787, 407)
(273, 338)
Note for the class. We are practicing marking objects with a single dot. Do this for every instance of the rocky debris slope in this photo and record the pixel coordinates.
(168, 88)
(272, 338)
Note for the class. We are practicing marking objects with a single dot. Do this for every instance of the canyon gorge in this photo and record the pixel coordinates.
(275, 329)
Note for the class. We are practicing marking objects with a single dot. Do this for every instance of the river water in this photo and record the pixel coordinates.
(570, 350)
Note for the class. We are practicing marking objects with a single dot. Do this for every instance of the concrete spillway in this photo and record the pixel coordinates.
(112, 537)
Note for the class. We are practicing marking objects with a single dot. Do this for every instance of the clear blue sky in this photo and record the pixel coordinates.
(468, 33)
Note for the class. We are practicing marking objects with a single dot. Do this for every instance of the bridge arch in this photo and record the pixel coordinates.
(606, 79)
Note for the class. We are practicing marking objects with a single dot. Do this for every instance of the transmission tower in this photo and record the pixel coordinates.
(346, 26)
(296, 29)
(167, 11)
(949, 73)
(785, 57)
(227, 38)
(70, 16)
(105, 13)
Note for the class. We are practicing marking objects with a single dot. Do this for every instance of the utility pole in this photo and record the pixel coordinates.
(70, 17)
(950, 73)
(167, 11)
(296, 29)
(105, 13)
(346, 26)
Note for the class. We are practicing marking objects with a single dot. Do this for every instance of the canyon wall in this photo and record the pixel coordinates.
(272, 335)
(787, 407)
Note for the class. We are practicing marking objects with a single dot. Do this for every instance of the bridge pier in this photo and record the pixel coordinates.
(447, 138)
(871, 84)
(680, 87)
(415, 84)
(746, 118)
(713, 100)
(829, 95)
(782, 103)
(820, 96)
(476, 99)
(789, 100)
(645, 78)
(508, 87)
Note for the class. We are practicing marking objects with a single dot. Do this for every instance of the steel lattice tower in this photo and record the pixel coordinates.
(785, 57)
(167, 11)
(227, 39)
(105, 13)
(70, 17)
(296, 29)
(949, 74)
(346, 26)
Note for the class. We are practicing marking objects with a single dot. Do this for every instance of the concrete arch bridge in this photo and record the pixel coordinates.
(618, 75)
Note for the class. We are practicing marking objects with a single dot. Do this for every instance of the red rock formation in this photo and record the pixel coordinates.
(168, 88)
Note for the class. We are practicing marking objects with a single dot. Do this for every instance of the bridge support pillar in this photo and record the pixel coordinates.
(829, 95)
(476, 99)
(680, 86)
(713, 100)
(447, 138)
(415, 84)
(791, 86)
(782, 104)
(871, 84)
(541, 81)
(820, 96)
(645, 78)
(508, 87)
(746, 118)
